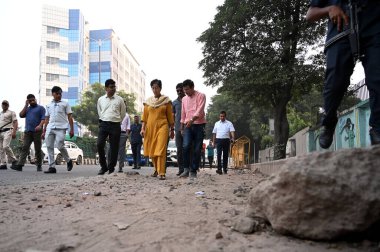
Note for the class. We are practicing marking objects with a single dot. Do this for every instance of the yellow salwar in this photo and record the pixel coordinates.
(157, 120)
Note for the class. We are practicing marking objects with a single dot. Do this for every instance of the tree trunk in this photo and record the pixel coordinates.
(281, 129)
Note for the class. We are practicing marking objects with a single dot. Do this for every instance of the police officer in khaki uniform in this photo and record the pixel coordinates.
(8, 128)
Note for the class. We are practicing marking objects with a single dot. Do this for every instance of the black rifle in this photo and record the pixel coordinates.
(352, 32)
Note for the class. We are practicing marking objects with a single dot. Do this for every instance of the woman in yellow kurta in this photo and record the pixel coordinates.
(157, 119)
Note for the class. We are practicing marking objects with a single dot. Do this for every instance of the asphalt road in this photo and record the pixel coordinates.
(30, 174)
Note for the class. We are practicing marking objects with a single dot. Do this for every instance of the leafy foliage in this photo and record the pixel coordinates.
(86, 112)
(257, 51)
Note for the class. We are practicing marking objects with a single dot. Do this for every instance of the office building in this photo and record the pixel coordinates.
(73, 57)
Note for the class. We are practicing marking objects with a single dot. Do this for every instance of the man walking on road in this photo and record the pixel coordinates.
(57, 119)
(125, 128)
(136, 142)
(222, 134)
(34, 115)
(177, 106)
(8, 129)
(111, 111)
(192, 128)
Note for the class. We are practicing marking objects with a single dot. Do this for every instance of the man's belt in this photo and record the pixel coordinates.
(123, 131)
(4, 130)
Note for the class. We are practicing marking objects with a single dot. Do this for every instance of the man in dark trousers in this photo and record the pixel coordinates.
(136, 142)
(111, 111)
(353, 34)
(34, 115)
(177, 105)
(223, 133)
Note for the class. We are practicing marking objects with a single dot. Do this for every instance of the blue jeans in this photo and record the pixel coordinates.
(193, 138)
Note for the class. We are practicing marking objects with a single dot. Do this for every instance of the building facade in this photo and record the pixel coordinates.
(73, 57)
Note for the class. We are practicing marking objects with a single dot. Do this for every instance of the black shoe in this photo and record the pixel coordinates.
(135, 168)
(3, 167)
(39, 168)
(219, 171)
(16, 167)
(70, 165)
(374, 136)
(51, 170)
(224, 171)
(326, 137)
(138, 168)
(185, 173)
(179, 173)
(101, 172)
(120, 170)
(111, 170)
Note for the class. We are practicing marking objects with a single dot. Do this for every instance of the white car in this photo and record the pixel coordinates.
(171, 159)
(75, 153)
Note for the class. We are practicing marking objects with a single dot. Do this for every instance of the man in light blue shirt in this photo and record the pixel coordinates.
(223, 133)
(58, 118)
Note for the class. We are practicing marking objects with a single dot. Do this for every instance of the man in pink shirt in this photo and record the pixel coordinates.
(192, 128)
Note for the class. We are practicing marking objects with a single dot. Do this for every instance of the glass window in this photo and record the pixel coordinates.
(48, 92)
(52, 77)
(52, 45)
(52, 60)
(52, 30)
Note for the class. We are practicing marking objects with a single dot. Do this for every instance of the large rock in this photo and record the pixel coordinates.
(324, 195)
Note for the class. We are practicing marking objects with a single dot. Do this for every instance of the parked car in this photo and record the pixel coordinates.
(171, 154)
(145, 161)
(75, 153)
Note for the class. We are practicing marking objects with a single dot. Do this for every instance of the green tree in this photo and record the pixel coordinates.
(257, 51)
(86, 112)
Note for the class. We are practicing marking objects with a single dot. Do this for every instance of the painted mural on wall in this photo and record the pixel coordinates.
(347, 132)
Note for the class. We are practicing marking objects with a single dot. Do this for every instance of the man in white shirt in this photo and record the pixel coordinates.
(223, 133)
(57, 119)
(111, 111)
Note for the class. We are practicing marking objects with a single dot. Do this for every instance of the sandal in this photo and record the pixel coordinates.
(154, 174)
(162, 177)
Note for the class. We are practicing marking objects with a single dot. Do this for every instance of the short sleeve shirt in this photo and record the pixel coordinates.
(57, 112)
(34, 116)
(7, 119)
(223, 129)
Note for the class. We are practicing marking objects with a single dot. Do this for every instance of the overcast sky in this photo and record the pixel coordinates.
(160, 33)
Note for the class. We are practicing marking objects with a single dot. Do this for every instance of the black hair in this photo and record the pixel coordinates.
(188, 83)
(109, 82)
(29, 96)
(56, 89)
(156, 81)
(179, 85)
(223, 112)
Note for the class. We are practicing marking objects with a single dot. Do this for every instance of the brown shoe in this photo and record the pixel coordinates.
(162, 177)
(154, 174)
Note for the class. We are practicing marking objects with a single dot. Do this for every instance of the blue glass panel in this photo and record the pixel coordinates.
(73, 19)
(73, 70)
(73, 93)
(73, 35)
(64, 33)
(73, 58)
(100, 34)
(105, 46)
(105, 67)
